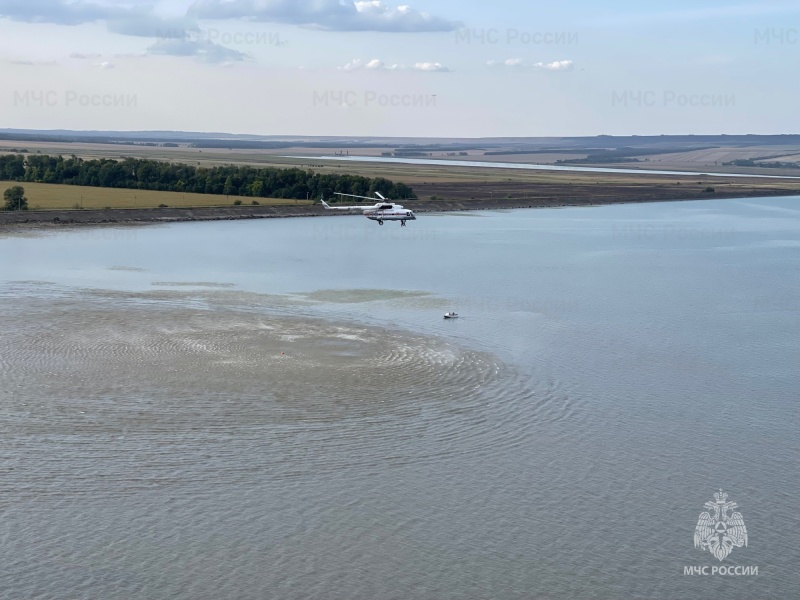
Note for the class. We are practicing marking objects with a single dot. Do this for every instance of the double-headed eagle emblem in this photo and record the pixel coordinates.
(720, 533)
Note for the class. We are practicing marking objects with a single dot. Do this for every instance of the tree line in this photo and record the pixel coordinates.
(145, 174)
(754, 162)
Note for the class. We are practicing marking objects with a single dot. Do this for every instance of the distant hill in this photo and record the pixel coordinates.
(497, 145)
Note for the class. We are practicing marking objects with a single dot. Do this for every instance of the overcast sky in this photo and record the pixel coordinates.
(442, 68)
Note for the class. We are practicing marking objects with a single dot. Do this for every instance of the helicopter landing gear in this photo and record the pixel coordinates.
(402, 223)
(380, 221)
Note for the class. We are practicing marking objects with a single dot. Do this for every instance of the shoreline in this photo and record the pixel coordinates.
(230, 213)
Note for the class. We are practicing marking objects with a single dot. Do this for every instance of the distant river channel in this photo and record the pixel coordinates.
(531, 167)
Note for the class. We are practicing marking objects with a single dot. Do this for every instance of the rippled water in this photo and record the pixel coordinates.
(277, 409)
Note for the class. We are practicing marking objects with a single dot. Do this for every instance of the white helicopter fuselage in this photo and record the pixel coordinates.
(389, 212)
(380, 212)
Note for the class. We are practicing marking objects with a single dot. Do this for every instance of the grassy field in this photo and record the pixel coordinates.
(45, 196)
(445, 182)
(409, 174)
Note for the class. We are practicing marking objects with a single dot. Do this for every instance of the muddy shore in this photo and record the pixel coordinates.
(555, 199)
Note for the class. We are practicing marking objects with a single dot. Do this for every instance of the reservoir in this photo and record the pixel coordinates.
(277, 409)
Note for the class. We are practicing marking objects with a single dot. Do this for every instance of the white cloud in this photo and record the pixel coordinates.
(175, 36)
(182, 36)
(122, 18)
(106, 65)
(334, 15)
(518, 63)
(428, 66)
(56, 11)
(378, 65)
(357, 63)
(558, 65)
(510, 62)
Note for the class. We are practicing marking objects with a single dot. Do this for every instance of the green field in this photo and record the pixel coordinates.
(45, 196)
(445, 182)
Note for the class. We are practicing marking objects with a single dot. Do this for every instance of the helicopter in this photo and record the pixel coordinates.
(380, 212)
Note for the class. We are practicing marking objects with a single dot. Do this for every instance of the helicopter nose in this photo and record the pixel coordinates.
(410, 215)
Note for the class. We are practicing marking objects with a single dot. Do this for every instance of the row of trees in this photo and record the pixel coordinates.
(756, 162)
(133, 173)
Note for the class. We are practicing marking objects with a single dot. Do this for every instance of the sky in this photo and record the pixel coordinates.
(372, 68)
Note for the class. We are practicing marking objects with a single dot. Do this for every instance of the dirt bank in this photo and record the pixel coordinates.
(557, 197)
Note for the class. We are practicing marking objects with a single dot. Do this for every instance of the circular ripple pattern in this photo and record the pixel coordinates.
(108, 395)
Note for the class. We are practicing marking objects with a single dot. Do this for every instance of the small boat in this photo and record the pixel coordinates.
(450, 315)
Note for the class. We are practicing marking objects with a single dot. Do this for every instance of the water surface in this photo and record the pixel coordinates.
(277, 408)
